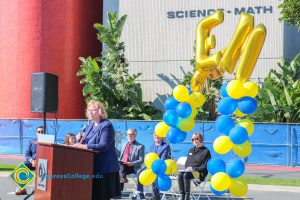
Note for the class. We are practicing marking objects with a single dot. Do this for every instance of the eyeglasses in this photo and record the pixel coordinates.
(40, 131)
(131, 134)
(195, 139)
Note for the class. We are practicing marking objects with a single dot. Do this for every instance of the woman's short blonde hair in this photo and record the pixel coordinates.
(102, 110)
(199, 135)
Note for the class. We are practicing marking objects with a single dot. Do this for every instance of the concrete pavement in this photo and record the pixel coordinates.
(258, 192)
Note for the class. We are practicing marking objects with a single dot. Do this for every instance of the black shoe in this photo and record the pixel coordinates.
(155, 197)
(187, 196)
(140, 196)
(182, 197)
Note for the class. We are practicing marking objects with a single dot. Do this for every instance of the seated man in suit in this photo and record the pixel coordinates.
(131, 157)
(30, 156)
(163, 150)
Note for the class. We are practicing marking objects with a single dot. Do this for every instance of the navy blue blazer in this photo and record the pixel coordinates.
(164, 150)
(31, 150)
(102, 139)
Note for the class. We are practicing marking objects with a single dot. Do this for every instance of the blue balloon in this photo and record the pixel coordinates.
(190, 90)
(171, 103)
(247, 105)
(224, 124)
(227, 106)
(175, 135)
(184, 110)
(216, 192)
(163, 182)
(223, 90)
(170, 118)
(235, 168)
(159, 167)
(216, 165)
(238, 135)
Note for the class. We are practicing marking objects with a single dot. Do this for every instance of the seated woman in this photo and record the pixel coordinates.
(70, 139)
(195, 166)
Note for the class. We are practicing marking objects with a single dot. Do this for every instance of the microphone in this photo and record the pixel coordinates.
(81, 133)
(82, 130)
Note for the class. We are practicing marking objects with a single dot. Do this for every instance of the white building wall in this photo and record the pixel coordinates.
(157, 44)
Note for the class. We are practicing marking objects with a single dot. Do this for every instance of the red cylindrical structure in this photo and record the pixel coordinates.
(45, 36)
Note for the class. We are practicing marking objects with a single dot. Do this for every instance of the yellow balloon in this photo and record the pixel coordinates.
(150, 158)
(235, 89)
(250, 52)
(205, 42)
(186, 124)
(222, 145)
(231, 55)
(161, 129)
(251, 89)
(206, 63)
(248, 125)
(171, 166)
(238, 188)
(196, 99)
(194, 113)
(238, 113)
(220, 181)
(147, 177)
(181, 93)
(243, 150)
(198, 80)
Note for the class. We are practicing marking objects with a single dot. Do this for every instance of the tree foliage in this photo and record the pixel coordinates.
(106, 78)
(279, 97)
(290, 12)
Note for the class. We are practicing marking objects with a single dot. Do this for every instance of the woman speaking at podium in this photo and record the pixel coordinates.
(100, 136)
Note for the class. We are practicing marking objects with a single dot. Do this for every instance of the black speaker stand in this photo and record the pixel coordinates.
(44, 119)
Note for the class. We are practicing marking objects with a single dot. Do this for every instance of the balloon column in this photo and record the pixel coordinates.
(238, 95)
(238, 99)
(158, 170)
(178, 118)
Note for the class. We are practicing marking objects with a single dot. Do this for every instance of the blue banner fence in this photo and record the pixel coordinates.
(272, 144)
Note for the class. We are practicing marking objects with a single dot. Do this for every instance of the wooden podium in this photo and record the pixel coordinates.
(63, 172)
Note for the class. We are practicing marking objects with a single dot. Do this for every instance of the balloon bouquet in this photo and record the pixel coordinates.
(178, 119)
(238, 99)
(158, 170)
(238, 95)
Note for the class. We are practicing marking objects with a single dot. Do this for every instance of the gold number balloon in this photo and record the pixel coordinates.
(205, 63)
(246, 43)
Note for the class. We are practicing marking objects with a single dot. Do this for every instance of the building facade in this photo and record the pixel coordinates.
(159, 38)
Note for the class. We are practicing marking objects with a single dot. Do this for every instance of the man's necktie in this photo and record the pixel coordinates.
(156, 148)
(127, 152)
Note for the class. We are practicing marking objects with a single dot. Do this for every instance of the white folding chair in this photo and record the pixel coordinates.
(133, 191)
(202, 193)
(201, 186)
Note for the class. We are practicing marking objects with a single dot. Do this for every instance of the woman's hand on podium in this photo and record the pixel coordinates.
(79, 137)
(78, 145)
